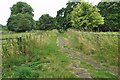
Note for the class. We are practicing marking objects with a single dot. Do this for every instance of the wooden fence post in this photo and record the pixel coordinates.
(20, 43)
(24, 46)
(98, 39)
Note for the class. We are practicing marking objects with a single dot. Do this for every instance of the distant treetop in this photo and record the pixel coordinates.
(21, 7)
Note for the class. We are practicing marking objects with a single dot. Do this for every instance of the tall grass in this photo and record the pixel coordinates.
(104, 49)
(36, 55)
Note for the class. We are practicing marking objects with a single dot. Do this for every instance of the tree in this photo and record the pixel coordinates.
(63, 17)
(85, 16)
(46, 22)
(21, 7)
(20, 22)
(21, 18)
(111, 12)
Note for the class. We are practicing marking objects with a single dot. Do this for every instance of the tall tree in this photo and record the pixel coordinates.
(19, 22)
(21, 18)
(60, 18)
(63, 15)
(21, 7)
(46, 22)
(111, 12)
(85, 15)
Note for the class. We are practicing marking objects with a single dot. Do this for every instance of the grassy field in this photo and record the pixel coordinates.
(37, 54)
(39, 58)
(103, 48)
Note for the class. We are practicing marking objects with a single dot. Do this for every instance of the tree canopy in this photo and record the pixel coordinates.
(63, 16)
(21, 7)
(21, 18)
(111, 12)
(78, 15)
(85, 15)
(20, 22)
(46, 22)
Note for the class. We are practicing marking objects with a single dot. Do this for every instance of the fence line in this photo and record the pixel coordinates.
(107, 34)
(18, 39)
(99, 35)
(8, 38)
(20, 42)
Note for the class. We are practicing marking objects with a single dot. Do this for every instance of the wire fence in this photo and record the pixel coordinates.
(96, 35)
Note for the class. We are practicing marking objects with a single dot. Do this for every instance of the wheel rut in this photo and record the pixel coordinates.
(75, 64)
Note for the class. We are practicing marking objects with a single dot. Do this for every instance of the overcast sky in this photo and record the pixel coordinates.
(40, 7)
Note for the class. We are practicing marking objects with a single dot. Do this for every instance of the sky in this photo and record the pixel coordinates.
(39, 6)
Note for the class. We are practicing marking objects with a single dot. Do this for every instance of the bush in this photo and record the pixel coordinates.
(25, 72)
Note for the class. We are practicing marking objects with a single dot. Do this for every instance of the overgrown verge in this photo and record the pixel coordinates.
(35, 56)
(104, 49)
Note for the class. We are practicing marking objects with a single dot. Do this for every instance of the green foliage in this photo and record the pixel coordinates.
(25, 72)
(20, 22)
(38, 57)
(85, 15)
(60, 18)
(21, 18)
(46, 22)
(96, 72)
(103, 49)
(21, 7)
(63, 17)
(111, 12)
(3, 27)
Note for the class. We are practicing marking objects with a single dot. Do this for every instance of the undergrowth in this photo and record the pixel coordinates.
(104, 49)
(35, 55)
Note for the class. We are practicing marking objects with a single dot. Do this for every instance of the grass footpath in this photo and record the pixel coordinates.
(104, 49)
(95, 72)
(85, 65)
(37, 55)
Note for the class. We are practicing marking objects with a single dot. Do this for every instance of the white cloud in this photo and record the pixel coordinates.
(40, 7)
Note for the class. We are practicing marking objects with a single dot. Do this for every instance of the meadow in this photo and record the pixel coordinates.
(37, 55)
(78, 42)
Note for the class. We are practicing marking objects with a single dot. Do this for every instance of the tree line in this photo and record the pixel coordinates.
(77, 15)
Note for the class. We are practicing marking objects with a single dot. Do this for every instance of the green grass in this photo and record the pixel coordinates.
(41, 58)
(107, 32)
(103, 49)
(96, 72)
(38, 54)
